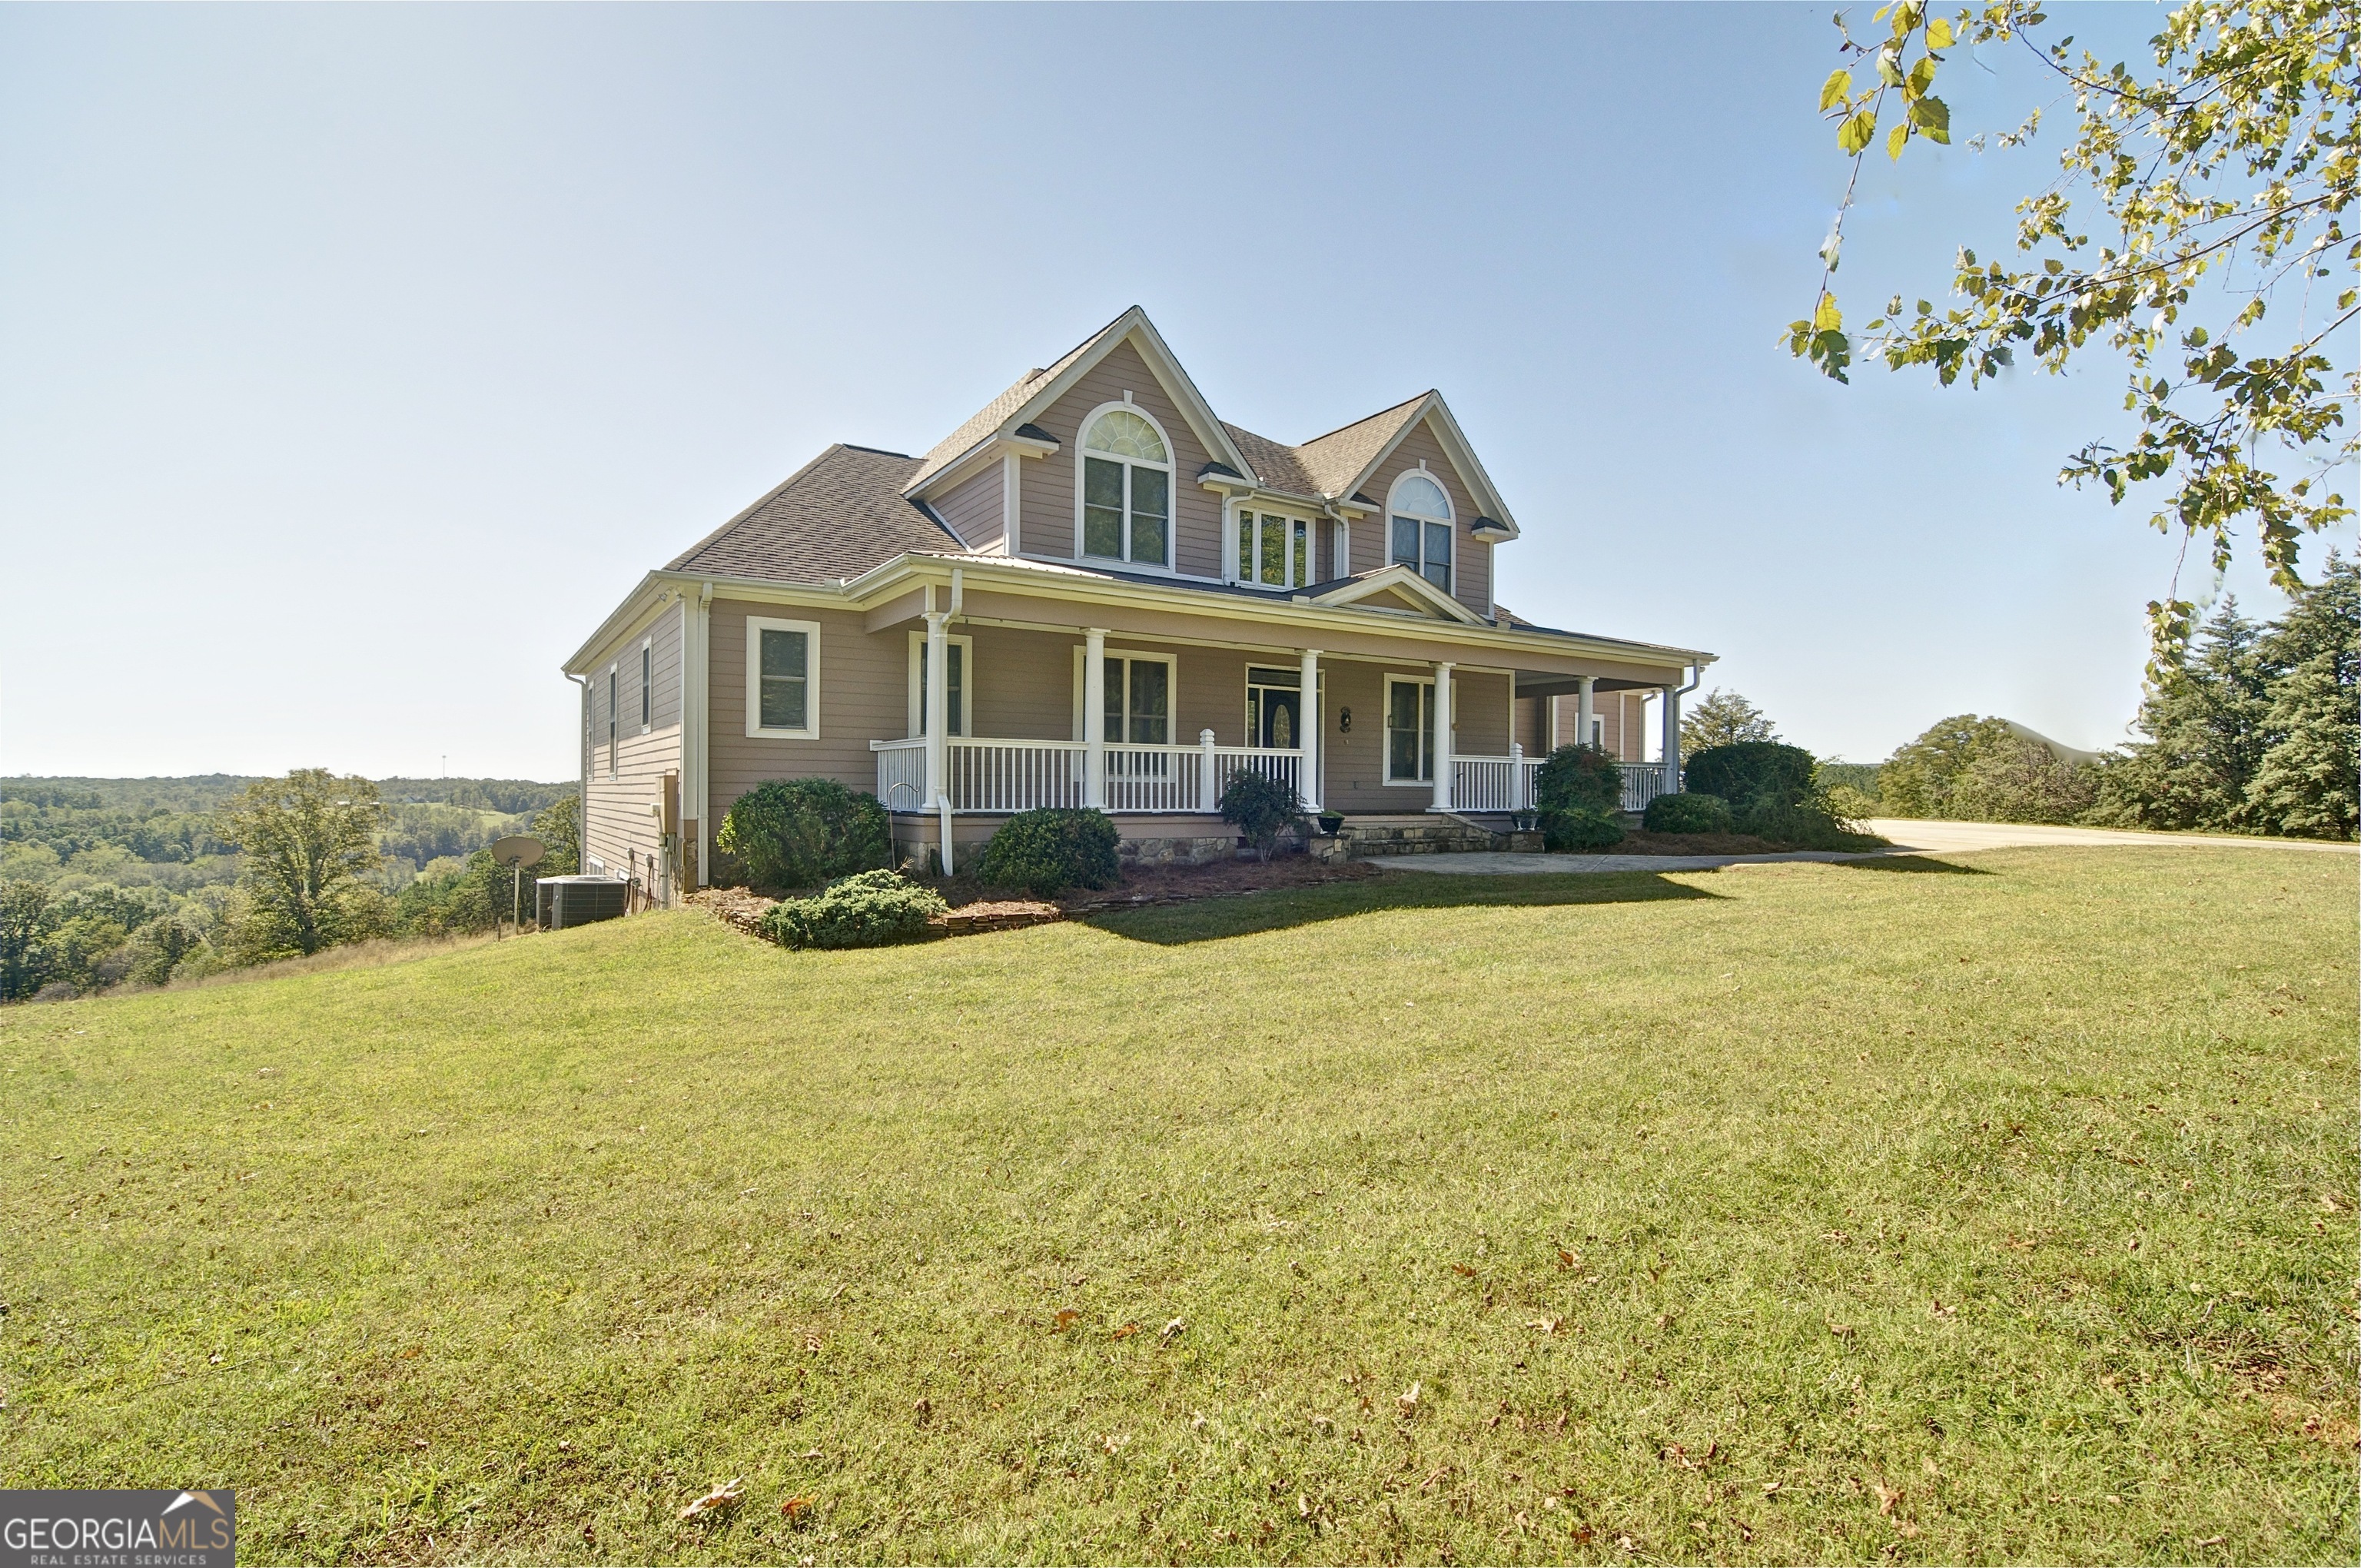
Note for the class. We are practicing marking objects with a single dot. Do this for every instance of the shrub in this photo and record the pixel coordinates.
(1808, 824)
(1688, 813)
(1049, 851)
(1848, 806)
(803, 832)
(1262, 809)
(1580, 827)
(1751, 771)
(869, 909)
(1578, 777)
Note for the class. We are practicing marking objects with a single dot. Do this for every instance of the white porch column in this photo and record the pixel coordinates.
(1517, 801)
(1549, 737)
(1209, 778)
(1582, 715)
(936, 720)
(1309, 736)
(1443, 737)
(1672, 747)
(1095, 716)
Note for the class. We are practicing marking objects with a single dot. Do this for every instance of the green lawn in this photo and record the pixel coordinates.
(2001, 1209)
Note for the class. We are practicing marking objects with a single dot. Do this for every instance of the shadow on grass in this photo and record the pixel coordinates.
(1211, 919)
(1911, 863)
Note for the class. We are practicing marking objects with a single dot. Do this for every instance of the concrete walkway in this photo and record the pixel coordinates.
(1909, 838)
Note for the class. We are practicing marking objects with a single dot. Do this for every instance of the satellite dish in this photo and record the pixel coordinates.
(522, 849)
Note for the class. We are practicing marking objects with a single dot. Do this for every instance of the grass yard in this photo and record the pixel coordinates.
(2001, 1209)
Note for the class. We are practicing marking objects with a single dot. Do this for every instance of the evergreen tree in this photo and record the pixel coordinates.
(1723, 719)
(2306, 783)
(2201, 729)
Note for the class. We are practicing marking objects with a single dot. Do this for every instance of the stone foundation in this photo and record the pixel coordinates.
(1199, 850)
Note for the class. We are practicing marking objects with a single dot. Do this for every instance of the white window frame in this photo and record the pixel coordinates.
(1241, 513)
(1171, 468)
(1171, 663)
(963, 724)
(1450, 523)
(1306, 708)
(753, 660)
(615, 720)
(1385, 730)
(647, 684)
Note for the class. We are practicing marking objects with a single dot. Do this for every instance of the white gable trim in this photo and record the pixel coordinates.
(1454, 442)
(1134, 325)
(1410, 584)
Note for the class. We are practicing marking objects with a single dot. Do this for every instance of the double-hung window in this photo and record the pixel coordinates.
(783, 678)
(1274, 552)
(647, 685)
(1409, 730)
(959, 658)
(1127, 495)
(614, 727)
(1139, 702)
(1421, 515)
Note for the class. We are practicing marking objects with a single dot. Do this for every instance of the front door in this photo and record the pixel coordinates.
(1274, 708)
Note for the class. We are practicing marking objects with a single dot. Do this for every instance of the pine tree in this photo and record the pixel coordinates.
(1723, 719)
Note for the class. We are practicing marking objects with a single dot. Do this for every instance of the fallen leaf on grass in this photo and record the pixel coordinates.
(1066, 1315)
(794, 1509)
(1125, 1332)
(1886, 1497)
(1547, 1325)
(1462, 1268)
(1842, 1331)
(1937, 1309)
(724, 1496)
(1407, 1401)
(1566, 1259)
(1112, 1442)
(1770, 1487)
(1174, 1329)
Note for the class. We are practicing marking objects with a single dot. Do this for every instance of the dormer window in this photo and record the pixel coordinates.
(1421, 527)
(1127, 495)
(1274, 552)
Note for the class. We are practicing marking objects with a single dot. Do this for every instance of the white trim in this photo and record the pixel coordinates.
(614, 724)
(647, 684)
(1247, 684)
(1012, 486)
(752, 659)
(966, 728)
(1449, 520)
(1385, 730)
(1235, 515)
(1171, 469)
(1084, 729)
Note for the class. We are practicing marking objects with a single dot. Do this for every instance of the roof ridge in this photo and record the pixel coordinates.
(1349, 424)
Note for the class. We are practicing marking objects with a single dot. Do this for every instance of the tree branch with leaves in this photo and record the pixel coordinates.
(2236, 160)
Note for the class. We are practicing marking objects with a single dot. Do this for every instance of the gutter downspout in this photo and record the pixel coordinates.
(697, 632)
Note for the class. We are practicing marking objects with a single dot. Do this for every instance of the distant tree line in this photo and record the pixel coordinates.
(2253, 730)
(105, 883)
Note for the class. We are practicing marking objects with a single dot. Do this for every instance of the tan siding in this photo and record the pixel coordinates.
(973, 507)
(1046, 524)
(622, 831)
(1472, 578)
(862, 695)
(1024, 684)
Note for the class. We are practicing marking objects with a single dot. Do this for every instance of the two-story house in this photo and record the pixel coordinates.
(1095, 593)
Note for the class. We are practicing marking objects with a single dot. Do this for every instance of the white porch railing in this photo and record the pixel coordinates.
(1644, 781)
(989, 775)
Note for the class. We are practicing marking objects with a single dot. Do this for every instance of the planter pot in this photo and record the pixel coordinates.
(1331, 822)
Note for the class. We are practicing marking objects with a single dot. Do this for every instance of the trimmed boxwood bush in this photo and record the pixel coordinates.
(1578, 777)
(870, 909)
(1049, 851)
(1688, 813)
(803, 832)
(1749, 771)
(1260, 807)
(1580, 827)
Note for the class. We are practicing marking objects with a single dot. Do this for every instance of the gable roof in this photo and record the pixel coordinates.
(1039, 389)
(1397, 583)
(1333, 465)
(837, 516)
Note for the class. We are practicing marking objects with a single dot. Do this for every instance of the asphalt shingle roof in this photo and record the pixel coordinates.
(838, 515)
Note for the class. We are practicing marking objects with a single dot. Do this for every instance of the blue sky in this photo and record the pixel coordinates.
(354, 361)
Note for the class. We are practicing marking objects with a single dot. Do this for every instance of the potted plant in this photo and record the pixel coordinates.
(1332, 823)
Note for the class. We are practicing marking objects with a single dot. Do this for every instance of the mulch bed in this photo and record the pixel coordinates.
(976, 909)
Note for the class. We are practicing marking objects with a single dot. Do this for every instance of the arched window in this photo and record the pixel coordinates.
(1127, 497)
(1421, 527)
